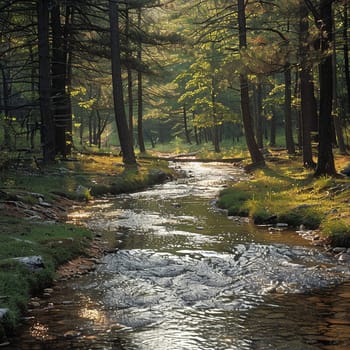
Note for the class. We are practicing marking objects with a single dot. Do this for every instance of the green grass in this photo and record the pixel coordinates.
(55, 243)
(286, 192)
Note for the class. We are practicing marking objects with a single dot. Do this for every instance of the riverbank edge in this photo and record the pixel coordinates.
(82, 248)
(285, 195)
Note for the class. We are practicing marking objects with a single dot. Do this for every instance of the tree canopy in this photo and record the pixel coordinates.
(203, 71)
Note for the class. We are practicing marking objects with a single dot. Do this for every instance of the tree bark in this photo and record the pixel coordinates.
(215, 128)
(325, 163)
(255, 154)
(6, 92)
(273, 129)
(187, 133)
(60, 98)
(337, 113)
(118, 97)
(47, 125)
(140, 136)
(346, 52)
(288, 109)
(129, 74)
(259, 117)
(308, 101)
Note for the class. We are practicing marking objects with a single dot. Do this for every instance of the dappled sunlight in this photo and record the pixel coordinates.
(41, 332)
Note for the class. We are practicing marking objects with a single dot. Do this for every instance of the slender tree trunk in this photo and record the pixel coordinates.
(69, 68)
(215, 128)
(196, 131)
(6, 91)
(47, 125)
(33, 123)
(336, 110)
(325, 163)
(259, 117)
(273, 129)
(98, 129)
(129, 74)
(59, 82)
(288, 109)
(81, 130)
(346, 52)
(298, 112)
(140, 136)
(90, 129)
(255, 154)
(187, 133)
(308, 102)
(119, 109)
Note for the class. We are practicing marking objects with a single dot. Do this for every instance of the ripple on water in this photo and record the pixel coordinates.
(164, 284)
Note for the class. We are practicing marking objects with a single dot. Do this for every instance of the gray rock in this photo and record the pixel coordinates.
(346, 170)
(33, 263)
(337, 250)
(3, 313)
(344, 257)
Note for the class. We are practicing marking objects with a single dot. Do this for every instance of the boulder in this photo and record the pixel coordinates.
(33, 263)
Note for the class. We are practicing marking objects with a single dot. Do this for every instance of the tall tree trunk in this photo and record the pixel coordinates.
(47, 125)
(69, 68)
(346, 52)
(259, 117)
(91, 141)
(118, 97)
(308, 101)
(187, 133)
(336, 110)
(288, 109)
(140, 136)
(215, 128)
(325, 163)
(129, 74)
(273, 129)
(255, 154)
(6, 91)
(59, 82)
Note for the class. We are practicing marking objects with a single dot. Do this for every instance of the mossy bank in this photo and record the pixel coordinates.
(285, 192)
(34, 203)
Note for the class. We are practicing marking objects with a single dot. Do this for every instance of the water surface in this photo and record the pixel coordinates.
(187, 277)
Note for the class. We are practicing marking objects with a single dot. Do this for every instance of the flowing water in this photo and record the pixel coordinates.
(187, 277)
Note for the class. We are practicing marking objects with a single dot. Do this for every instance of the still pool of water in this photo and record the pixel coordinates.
(187, 277)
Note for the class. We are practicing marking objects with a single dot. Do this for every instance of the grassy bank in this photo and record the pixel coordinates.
(34, 201)
(285, 192)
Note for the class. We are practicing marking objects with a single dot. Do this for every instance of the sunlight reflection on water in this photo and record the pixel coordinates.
(189, 278)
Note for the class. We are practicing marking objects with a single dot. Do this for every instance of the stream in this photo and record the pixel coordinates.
(187, 277)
